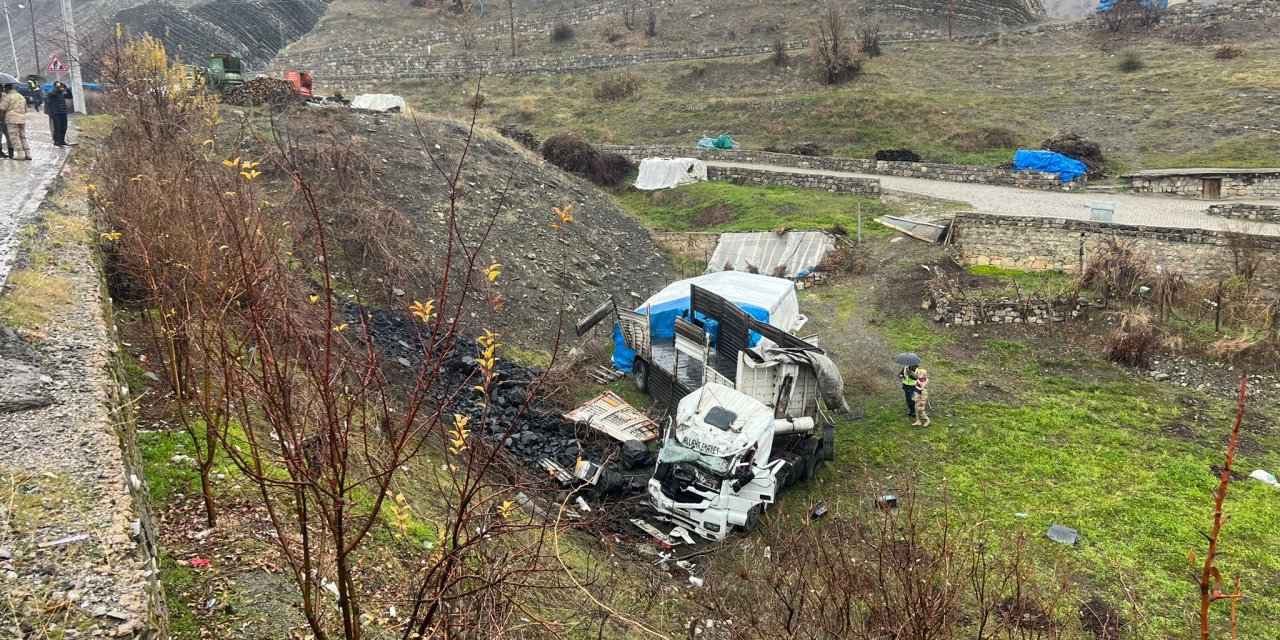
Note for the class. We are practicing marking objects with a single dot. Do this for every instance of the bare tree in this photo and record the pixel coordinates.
(629, 14)
(835, 62)
(1210, 579)
(651, 21)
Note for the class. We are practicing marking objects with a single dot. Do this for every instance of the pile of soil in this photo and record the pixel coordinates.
(811, 149)
(261, 91)
(603, 252)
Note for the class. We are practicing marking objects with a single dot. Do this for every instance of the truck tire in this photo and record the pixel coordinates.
(809, 458)
(640, 370)
(753, 518)
(829, 444)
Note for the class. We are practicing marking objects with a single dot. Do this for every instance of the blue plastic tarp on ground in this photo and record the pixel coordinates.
(1106, 5)
(1049, 162)
(662, 324)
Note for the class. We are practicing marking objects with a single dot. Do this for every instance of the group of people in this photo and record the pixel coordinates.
(13, 116)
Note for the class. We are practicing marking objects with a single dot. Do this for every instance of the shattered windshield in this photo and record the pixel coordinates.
(673, 451)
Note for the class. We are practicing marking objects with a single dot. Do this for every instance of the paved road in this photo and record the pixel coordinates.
(23, 186)
(1147, 211)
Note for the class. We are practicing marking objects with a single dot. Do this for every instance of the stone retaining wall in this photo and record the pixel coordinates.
(1054, 244)
(765, 178)
(933, 171)
(1234, 185)
(1004, 310)
(1241, 211)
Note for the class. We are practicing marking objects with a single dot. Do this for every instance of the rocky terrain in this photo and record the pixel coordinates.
(544, 270)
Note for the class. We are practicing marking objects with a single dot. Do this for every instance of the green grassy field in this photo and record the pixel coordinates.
(928, 97)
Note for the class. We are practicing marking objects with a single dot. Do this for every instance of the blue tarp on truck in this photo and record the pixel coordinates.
(1049, 162)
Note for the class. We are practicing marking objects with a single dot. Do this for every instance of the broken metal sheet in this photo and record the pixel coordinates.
(658, 536)
(556, 471)
(919, 230)
(608, 413)
(792, 254)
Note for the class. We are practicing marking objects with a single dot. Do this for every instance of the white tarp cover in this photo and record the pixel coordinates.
(751, 420)
(798, 252)
(775, 295)
(664, 173)
(378, 102)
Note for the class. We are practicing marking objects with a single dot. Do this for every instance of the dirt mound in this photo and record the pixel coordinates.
(602, 252)
(261, 91)
(897, 155)
(714, 215)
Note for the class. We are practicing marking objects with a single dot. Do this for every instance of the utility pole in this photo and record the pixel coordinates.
(17, 69)
(73, 53)
(35, 47)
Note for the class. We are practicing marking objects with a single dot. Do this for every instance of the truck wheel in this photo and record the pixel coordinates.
(829, 444)
(753, 518)
(809, 459)
(640, 369)
(792, 471)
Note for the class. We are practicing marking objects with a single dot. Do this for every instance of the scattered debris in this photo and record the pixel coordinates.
(602, 374)
(1021, 516)
(932, 233)
(658, 536)
(67, 540)
(1262, 475)
(819, 511)
(1065, 535)
(887, 502)
(583, 506)
(683, 534)
(608, 413)
(558, 472)
(383, 102)
(200, 562)
(696, 581)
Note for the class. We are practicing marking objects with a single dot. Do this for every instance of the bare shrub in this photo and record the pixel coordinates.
(608, 169)
(1131, 14)
(1132, 342)
(1228, 52)
(1116, 269)
(615, 86)
(651, 21)
(477, 101)
(834, 62)
(842, 261)
(1230, 349)
(1129, 60)
(613, 34)
(869, 40)
(569, 151)
(562, 32)
(629, 14)
(780, 57)
(1247, 254)
(881, 572)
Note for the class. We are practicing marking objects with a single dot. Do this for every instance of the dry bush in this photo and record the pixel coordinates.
(620, 85)
(569, 151)
(1116, 269)
(651, 21)
(476, 102)
(1077, 148)
(1228, 52)
(869, 41)
(1230, 349)
(780, 57)
(841, 261)
(874, 572)
(562, 32)
(608, 169)
(614, 34)
(1131, 14)
(983, 139)
(1129, 60)
(1132, 342)
(832, 58)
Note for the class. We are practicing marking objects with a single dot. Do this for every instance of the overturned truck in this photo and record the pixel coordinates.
(745, 398)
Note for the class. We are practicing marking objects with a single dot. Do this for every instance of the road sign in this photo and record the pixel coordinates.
(56, 65)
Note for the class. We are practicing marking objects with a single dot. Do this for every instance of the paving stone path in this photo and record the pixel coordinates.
(1138, 210)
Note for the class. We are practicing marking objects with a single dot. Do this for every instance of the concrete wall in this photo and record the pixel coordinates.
(1240, 185)
(1241, 211)
(948, 172)
(1040, 244)
(763, 178)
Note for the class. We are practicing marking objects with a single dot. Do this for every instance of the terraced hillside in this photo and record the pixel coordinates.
(395, 32)
(253, 29)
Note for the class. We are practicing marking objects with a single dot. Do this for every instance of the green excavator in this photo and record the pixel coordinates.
(222, 73)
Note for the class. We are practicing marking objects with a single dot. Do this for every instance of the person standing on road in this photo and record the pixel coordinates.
(909, 380)
(55, 104)
(922, 399)
(37, 96)
(14, 107)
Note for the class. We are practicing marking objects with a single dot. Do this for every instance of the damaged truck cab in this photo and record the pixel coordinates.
(744, 395)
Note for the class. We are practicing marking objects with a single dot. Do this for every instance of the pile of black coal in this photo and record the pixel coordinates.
(530, 432)
(896, 155)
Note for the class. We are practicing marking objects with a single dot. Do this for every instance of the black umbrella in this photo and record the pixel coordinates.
(7, 79)
(907, 359)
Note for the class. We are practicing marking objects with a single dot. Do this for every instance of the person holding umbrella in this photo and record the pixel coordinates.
(909, 363)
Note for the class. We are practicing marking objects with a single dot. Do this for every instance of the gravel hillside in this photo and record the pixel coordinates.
(603, 252)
